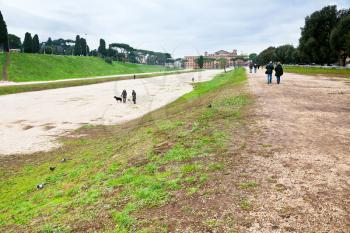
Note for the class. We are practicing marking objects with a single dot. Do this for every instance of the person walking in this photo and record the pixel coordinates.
(269, 69)
(124, 95)
(133, 96)
(250, 67)
(255, 67)
(278, 72)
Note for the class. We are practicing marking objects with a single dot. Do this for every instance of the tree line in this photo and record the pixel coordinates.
(325, 39)
(79, 47)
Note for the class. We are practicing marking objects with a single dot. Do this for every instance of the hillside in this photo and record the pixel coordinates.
(38, 67)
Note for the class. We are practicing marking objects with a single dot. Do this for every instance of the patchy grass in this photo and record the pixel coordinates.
(116, 174)
(248, 185)
(317, 71)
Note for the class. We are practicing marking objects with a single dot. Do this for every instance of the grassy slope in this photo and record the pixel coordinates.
(316, 71)
(117, 173)
(38, 67)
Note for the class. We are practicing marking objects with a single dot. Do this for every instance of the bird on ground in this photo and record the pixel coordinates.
(52, 168)
(63, 160)
(40, 186)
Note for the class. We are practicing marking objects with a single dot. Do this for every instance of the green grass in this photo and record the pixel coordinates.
(114, 175)
(317, 71)
(39, 67)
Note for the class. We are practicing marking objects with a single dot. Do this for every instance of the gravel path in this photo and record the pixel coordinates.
(301, 158)
(31, 122)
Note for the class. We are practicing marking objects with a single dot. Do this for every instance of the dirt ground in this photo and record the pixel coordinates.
(301, 156)
(287, 169)
(32, 122)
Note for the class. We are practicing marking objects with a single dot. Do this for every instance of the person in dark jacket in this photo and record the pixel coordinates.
(278, 72)
(269, 69)
(124, 95)
(250, 67)
(133, 96)
(255, 67)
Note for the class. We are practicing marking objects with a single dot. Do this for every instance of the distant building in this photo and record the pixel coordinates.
(211, 60)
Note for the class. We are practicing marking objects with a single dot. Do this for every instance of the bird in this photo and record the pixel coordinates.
(209, 105)
(40, 186)
(63, 160)
(52, 168)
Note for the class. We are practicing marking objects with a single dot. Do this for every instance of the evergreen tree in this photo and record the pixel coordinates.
(83, 45)
(28, 43)
(14, 42)
(36, 44)
(49, 42)
(77, 47)
(3, 34)
(102, 48)
(200, 62)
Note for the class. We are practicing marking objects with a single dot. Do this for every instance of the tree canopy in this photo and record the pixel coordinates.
(28, 43)
(102, 48)
(36, 44)
(14, 41)
(340, 38)
(200, 61)
(77, 46)
(3, 34)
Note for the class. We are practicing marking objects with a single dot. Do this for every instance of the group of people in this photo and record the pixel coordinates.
(124, 95)
(253, 66)
(269, 70)
(278, 72)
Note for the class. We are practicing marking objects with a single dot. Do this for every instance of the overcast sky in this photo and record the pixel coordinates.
(180, 27)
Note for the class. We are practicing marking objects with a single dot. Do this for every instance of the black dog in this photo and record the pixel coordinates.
(117, 98)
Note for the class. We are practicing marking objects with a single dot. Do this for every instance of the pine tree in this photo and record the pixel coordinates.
(83, 45)
(3, 34)
(36, 44)
(77, 47)
(28, 43)
(102, 48)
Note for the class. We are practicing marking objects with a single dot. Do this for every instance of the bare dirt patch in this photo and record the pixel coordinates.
(304, 185)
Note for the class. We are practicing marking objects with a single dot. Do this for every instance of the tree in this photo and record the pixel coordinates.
(28, 43)
(200, 61)
(266, 55)
(315, 35)
(253, 57)
(77, 46)
(3, 34)
(84, 47)
(340, 39)
(223, 62)
(36, 44)
(102, 48)
(285, 54)
(14, 42)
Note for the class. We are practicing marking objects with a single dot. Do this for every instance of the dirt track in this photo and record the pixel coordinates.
(31, 122)
(301, 156)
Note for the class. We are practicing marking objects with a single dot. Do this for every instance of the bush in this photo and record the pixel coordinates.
(108, 60)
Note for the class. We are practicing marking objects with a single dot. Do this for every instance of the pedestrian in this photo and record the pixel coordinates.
(124, 95)
(250, 67)
(269, 69)
(278, 72)
(134, 76)
(255, 67)
(133, 96)
(192, 79)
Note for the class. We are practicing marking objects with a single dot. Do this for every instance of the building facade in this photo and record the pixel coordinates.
(212, 61)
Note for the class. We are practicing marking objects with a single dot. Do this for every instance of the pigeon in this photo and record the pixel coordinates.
(52, 168)
(209, 106)
(63, 160)
(40, 186)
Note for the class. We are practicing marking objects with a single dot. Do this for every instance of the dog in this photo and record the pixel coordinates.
(118, 99)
